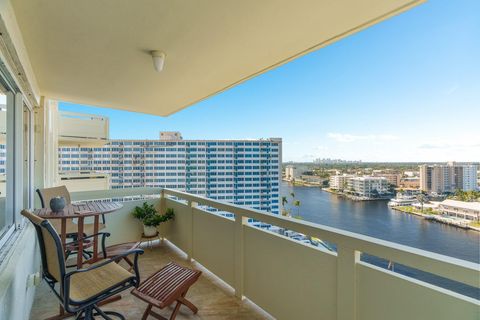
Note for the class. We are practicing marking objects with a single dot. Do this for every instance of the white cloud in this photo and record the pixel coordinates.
(345, 137)
(451, 144)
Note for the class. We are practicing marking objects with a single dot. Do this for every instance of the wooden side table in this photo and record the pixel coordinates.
(166, 286)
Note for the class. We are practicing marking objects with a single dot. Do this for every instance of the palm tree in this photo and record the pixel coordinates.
(296, 203)
(292, 194)
(284, 201)
(284, 211)
(422, 199)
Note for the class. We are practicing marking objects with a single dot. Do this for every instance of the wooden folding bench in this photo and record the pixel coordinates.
(166, 286)
(118, 249)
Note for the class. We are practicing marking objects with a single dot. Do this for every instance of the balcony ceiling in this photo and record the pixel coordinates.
(96, 52)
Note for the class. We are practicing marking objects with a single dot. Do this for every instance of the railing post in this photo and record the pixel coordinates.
(191, 206)
(239, 259)
(347, 259)
(163, 202)
(163, 208)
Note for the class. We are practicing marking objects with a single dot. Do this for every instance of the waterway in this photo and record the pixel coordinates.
(376, 219)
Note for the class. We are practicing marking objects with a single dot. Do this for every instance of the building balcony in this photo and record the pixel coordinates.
(255, 273)
(82, 129)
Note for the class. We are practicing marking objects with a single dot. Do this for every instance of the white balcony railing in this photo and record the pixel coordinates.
(291, 280)
(75, 128)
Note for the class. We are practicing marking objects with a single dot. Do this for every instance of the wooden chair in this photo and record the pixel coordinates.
(80, 291)
(117, 250)
(45, 196)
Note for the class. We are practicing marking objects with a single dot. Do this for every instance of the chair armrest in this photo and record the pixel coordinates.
(104, 234)
(110, 260)
(104, 237)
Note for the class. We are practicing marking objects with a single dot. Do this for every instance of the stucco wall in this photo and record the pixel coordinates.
(22, 259)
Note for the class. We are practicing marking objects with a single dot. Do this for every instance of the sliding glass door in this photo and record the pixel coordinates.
(16, 158)
(6, 194)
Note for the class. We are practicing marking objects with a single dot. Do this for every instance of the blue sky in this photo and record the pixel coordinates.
(407, 89)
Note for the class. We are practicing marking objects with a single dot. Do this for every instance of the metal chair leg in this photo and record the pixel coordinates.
(105, 314)
(79, 315)
(89, 313)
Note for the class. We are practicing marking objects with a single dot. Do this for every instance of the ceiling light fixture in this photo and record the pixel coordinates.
(158, 59)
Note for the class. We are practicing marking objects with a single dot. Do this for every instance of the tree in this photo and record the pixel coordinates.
(422, 199)
(296, 203)
(467, 196)
(284, 210)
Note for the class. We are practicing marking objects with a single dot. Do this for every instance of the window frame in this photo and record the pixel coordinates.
(16, 102)
(9, 172)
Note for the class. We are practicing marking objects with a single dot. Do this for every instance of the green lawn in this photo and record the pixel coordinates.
(409, 209)
(475, 224)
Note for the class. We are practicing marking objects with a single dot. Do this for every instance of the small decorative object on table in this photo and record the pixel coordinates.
(57, 204)
(151, 219)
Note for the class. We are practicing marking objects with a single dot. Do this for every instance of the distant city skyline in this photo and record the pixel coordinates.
(405, 90)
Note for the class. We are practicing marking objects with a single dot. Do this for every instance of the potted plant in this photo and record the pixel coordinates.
(150, 218)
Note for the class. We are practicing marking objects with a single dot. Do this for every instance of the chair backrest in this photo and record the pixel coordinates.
(53, 258)
(48, 193)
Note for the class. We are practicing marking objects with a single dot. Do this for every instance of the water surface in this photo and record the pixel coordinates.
(376, 219)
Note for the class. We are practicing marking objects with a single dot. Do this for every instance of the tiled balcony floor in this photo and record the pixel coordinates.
(212, 297)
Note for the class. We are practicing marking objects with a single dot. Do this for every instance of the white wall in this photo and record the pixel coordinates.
(21, 260)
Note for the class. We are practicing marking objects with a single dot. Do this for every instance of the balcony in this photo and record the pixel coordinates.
(82, 181)
(58, 51)
(277, 276)
(79, 128)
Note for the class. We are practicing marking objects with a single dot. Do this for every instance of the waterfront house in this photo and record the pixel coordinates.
(100, 53)
(460, 209)
(340, 182)
(368, 187)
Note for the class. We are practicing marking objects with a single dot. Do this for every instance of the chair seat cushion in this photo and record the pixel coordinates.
(85, 285)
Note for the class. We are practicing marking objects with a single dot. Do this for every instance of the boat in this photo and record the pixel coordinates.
(401, 201)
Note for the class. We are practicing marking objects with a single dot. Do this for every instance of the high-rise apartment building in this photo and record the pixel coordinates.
(466, 177)
(245, 172)
(448, 178)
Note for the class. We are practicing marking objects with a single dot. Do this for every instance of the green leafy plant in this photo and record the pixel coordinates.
(149, 215)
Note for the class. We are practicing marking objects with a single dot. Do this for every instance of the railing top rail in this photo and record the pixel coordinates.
(114, 193)
(82, 115)
(456, 269)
